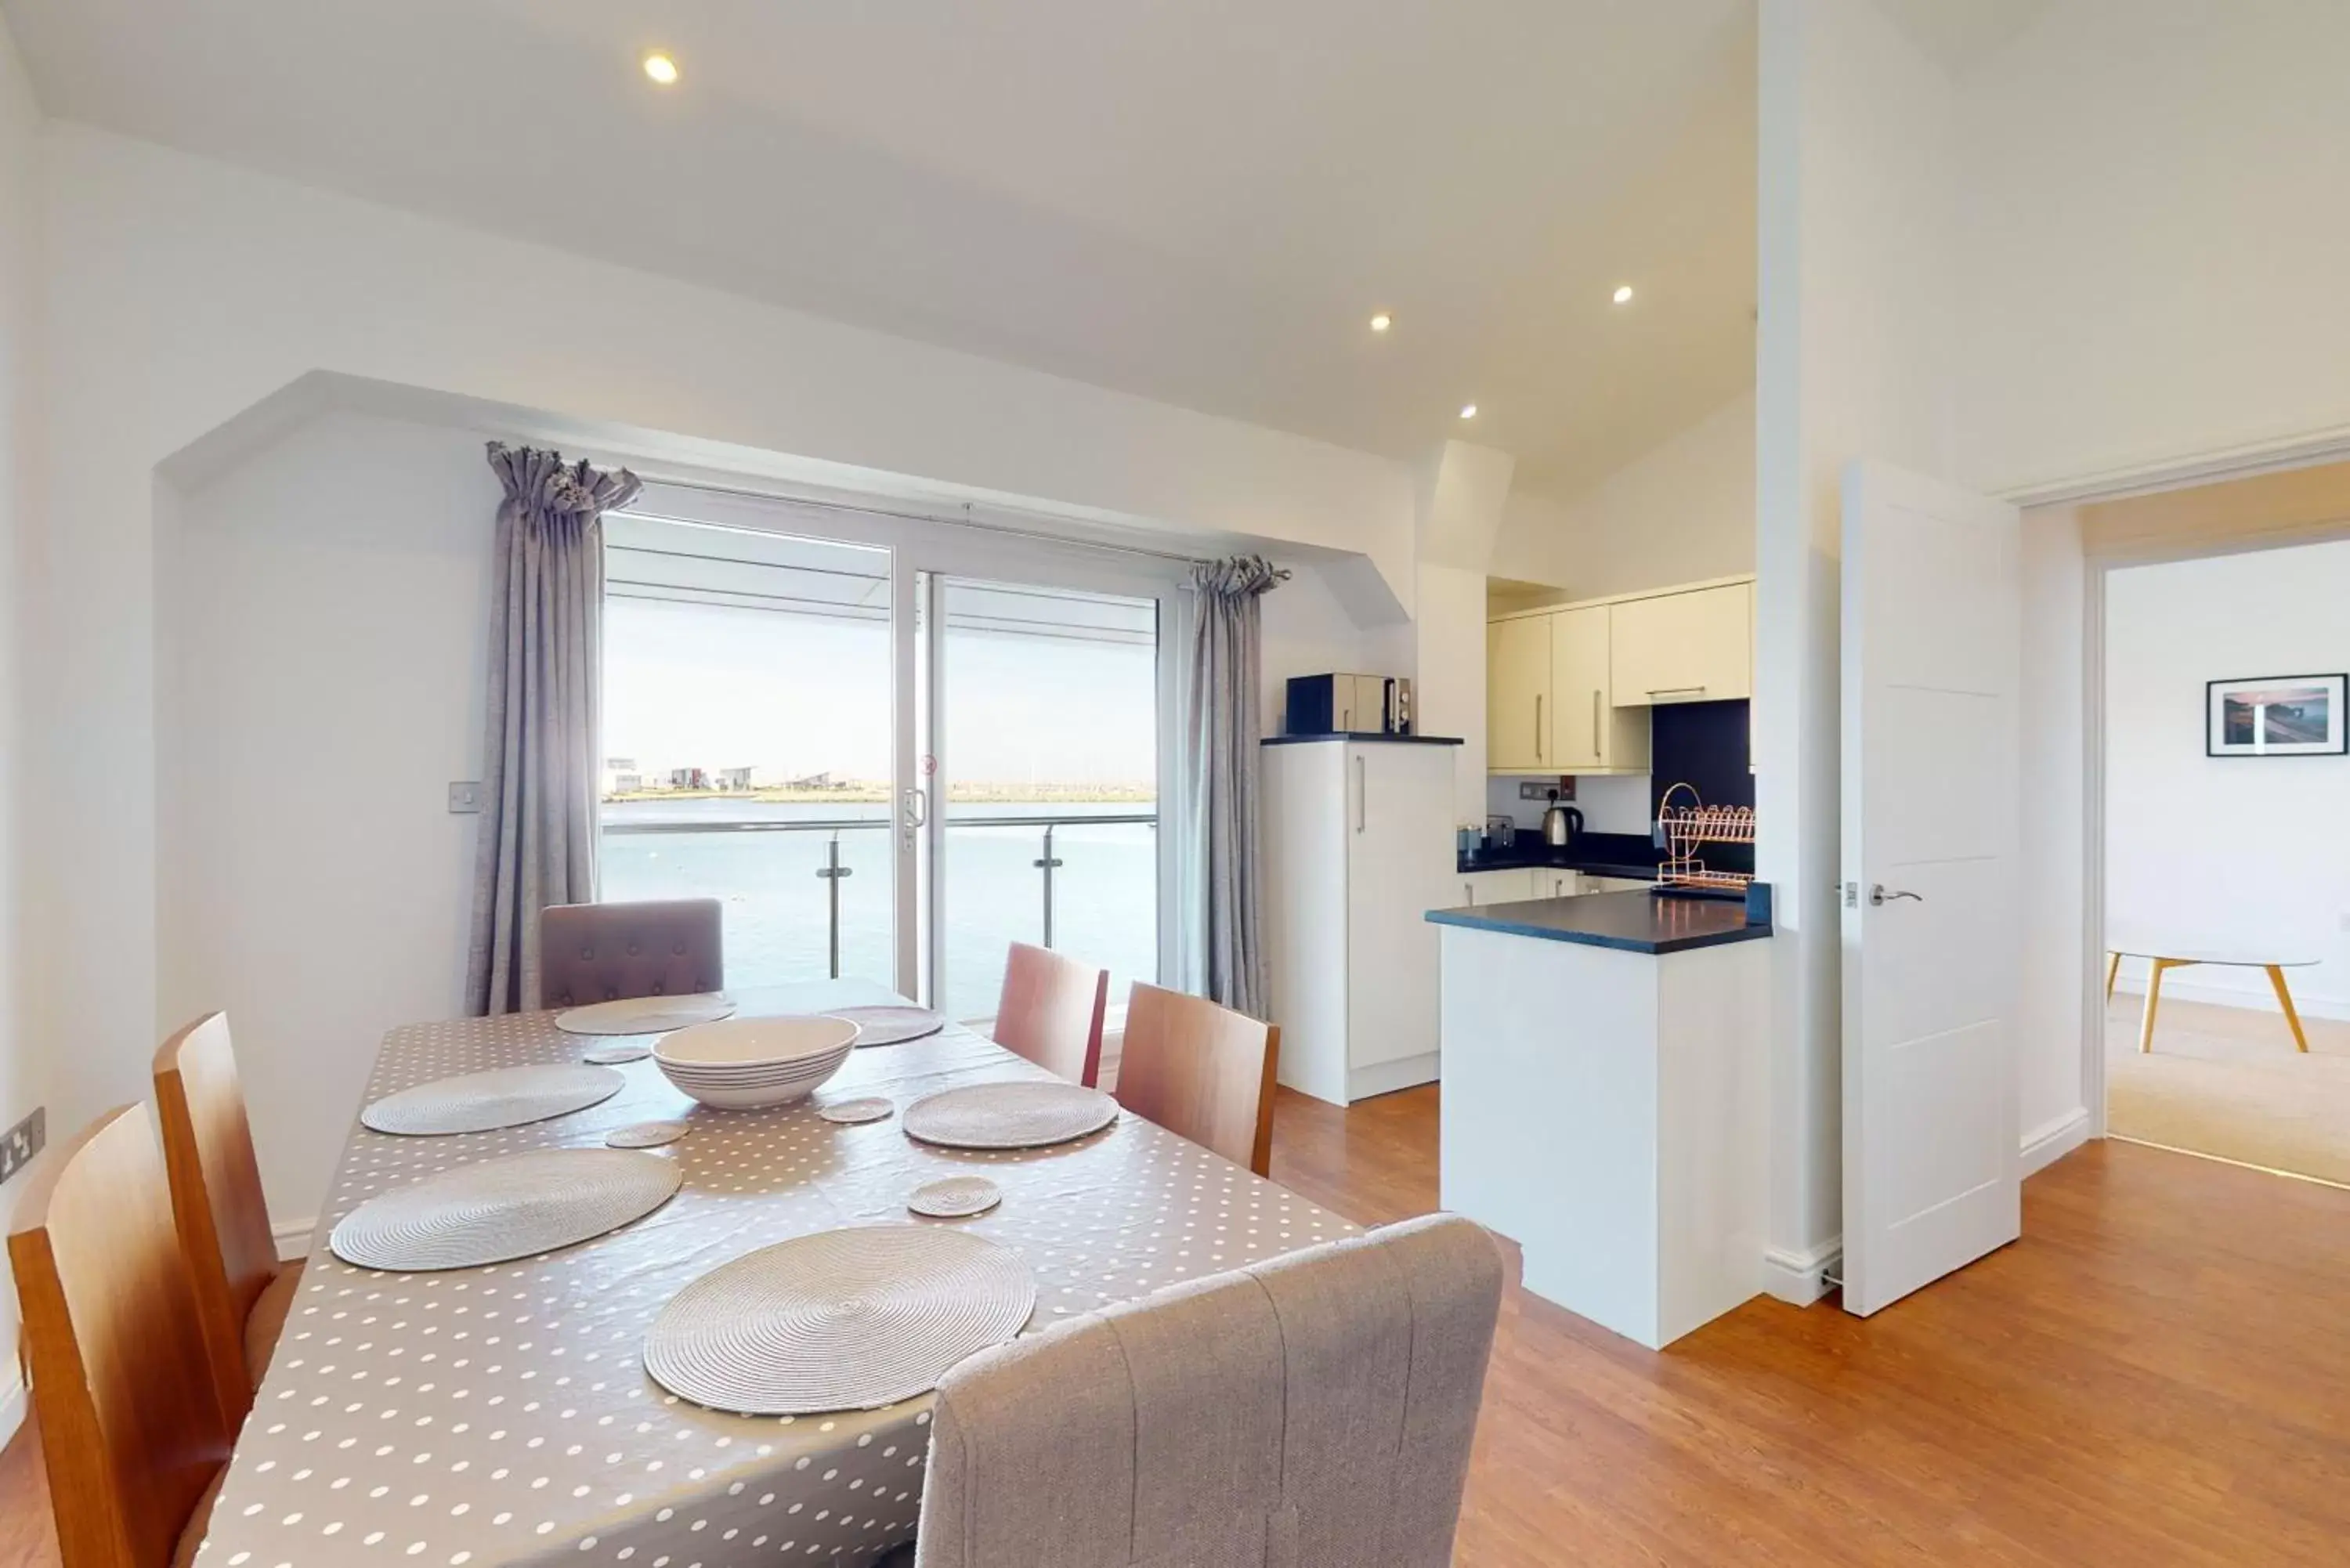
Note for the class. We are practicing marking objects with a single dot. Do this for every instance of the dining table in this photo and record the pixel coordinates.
(503, 1414)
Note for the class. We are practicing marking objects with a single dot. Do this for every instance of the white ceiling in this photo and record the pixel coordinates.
(1960, 33)
(1200, 201)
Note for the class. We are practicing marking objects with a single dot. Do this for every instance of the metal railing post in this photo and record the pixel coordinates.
(832, 871)
(1047, 866)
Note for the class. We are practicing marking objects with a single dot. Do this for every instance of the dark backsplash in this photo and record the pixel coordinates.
(1704, 745)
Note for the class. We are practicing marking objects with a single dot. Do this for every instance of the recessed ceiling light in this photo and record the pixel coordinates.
(1623, 294)
(1468, 410)
(661, 68)
(1382, 321)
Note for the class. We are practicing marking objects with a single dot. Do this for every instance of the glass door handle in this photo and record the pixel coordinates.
(917, 807)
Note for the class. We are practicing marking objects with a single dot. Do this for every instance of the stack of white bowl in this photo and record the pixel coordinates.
(742, 1064)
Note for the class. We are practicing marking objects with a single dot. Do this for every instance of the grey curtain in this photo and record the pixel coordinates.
(1218, 809)
(537, 839)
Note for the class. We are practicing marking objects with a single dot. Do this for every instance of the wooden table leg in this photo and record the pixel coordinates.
(2153, 1000)
(2284, 1000)
(2112, 973)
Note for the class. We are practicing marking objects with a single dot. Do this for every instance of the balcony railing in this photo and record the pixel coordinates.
(981, 889)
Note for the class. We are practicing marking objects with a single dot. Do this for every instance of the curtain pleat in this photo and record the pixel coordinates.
(537, 844)
(1218, 810)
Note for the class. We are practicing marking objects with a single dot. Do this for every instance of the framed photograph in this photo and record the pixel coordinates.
(2274, 716)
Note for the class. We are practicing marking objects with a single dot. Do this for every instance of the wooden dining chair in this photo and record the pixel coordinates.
(243, 1292)
(607, 952)
(1203, 1071)
(1051, 1012)
(131, 1429)
(1314, 1408)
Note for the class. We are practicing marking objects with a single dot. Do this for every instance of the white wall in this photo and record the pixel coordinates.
(1858, 208)
(2253, 853)
(1307, 631)
(23, 1070)
(2155, 236)
(1682, 513)
(183, 292)
(325, 684)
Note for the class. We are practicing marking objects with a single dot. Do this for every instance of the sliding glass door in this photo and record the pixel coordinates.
(891, 746)
(1043, 764)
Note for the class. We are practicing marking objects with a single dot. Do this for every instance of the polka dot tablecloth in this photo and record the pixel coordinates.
(502, 1415)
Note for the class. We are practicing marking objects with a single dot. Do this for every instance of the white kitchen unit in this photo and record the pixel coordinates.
(1693, 647)
(1357, 847)
(1607, 1082)
(1588, 733)
(1568, 688)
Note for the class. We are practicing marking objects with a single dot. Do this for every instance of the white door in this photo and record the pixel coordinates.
(1932, 917)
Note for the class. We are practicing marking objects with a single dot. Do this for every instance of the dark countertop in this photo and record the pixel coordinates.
(1601, 854)
(1364, 736)
(1633, 922)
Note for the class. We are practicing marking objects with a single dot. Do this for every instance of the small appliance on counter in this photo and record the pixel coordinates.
(1561, 824)
(1500, 833)
(1348, 705)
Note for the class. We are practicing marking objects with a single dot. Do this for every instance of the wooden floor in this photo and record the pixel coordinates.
(2158, 1374)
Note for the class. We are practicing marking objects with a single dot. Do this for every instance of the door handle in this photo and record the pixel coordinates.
(917, 807)
(1877, 895)
(1362, 794)
(1537, 726)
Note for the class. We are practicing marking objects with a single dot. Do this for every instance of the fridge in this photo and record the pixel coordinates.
(1357, 845)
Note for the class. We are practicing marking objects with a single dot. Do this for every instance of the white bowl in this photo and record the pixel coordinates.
(750, 1090)
(752, 1042)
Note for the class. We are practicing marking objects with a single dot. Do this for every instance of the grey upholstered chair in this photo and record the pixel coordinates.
(602, 953)
(1312, 1410)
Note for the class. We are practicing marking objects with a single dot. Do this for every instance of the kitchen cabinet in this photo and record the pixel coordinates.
(1589, 734)
(1357, 847)
(1615, 884)
(1691, 647)
(1510, 887)
(1517, 695)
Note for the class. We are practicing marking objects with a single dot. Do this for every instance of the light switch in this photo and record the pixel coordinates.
(465, 796)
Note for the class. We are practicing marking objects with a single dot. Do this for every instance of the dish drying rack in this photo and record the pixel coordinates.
(1687, 827)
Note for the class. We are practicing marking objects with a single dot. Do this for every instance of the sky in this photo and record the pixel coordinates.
(690, 685)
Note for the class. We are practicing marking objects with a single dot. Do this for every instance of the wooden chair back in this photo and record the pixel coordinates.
(131, 1427)
(1318, 1408)
(216, 1196)
(1051, 1012)
(1201, 1070)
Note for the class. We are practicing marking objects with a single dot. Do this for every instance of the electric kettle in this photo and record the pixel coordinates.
(1561, 824)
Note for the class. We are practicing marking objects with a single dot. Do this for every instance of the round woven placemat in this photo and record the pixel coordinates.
(613, 1055)
(955, 1197)
(842, 1320)
(855, 1113)
(892, 1025)
(645, 1015)
(645, 1135)
(495, 1211)
(484, 1102)
(1009, 1115)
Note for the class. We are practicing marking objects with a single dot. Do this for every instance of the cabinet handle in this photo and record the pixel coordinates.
(1598, 753)
(1362, 794)
(1537, 726)
(1673, 691)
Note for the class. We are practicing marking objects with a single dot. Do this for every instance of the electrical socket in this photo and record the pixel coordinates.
(464, 797)
(20, 1143)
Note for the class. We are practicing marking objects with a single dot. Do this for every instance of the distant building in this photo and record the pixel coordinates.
(813, 781)
(735, 778)
(622, 776)
(688, 778)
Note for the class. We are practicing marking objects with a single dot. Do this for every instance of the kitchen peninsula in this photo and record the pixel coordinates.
(1604, 1090)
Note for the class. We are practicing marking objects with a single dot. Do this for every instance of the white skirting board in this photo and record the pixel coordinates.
(1800, 1277)
(2176, 987)
(293, 1240)
(12, 1403)
(2044, 1146)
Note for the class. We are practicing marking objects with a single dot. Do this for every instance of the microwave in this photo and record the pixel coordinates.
(1343, 704)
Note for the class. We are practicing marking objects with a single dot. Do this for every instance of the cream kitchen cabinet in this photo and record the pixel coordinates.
(1588, 732)
(1518, 706)
(1690, 646)
(1513, 885)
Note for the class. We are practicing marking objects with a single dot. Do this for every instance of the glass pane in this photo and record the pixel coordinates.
(746, 732)
(1050, 721)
